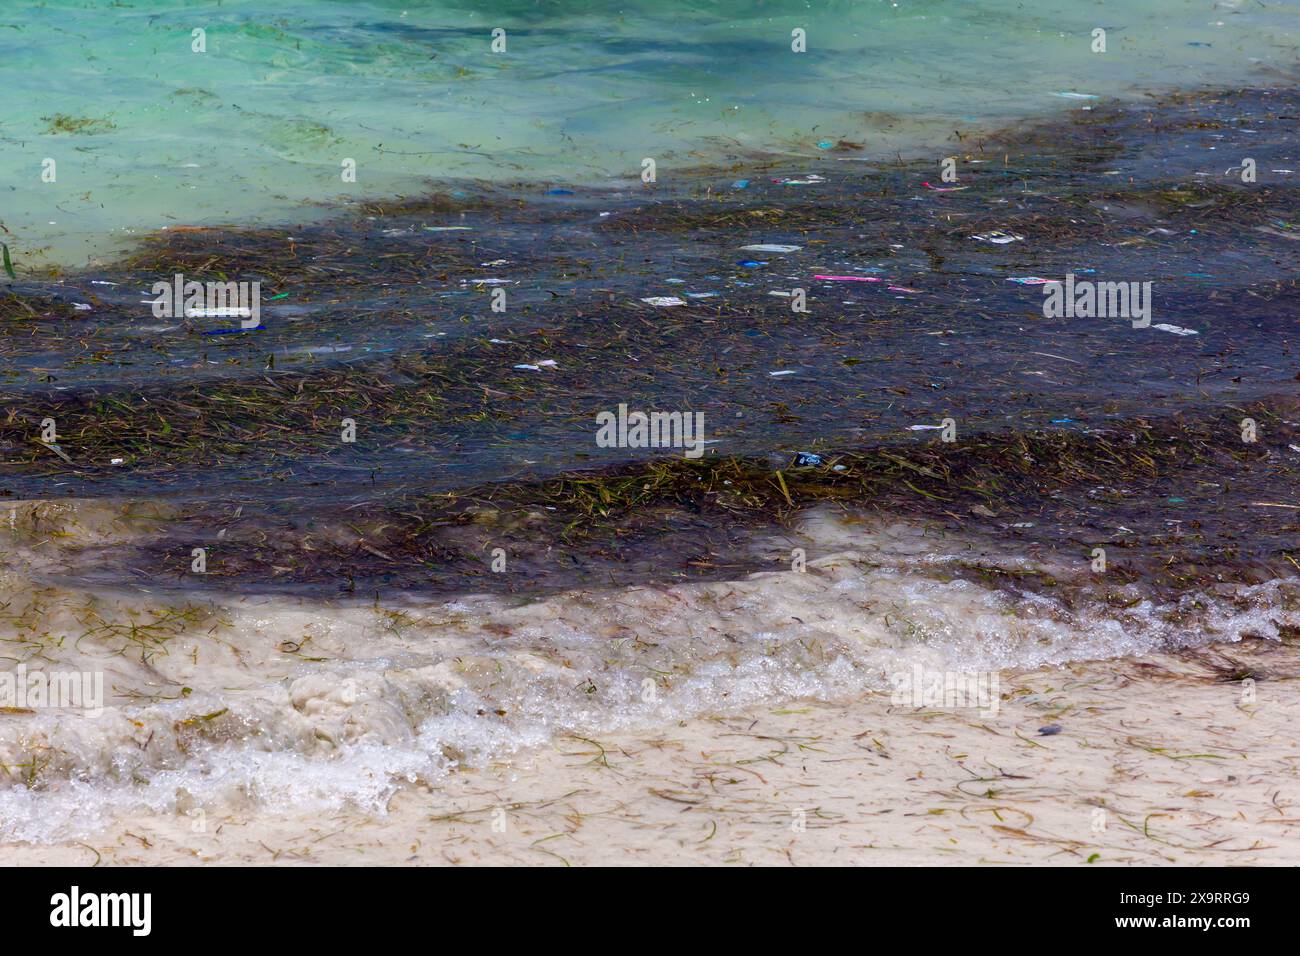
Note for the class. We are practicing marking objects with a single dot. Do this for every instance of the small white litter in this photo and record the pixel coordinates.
(235, 312)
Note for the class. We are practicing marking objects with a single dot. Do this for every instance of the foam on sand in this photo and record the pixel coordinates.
(291, 705)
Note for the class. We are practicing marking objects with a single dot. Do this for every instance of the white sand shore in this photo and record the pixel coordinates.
(1184, 771)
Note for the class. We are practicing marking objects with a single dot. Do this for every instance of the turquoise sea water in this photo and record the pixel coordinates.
(145, 132)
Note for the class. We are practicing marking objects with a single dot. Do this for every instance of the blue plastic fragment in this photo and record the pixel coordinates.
(256, 328)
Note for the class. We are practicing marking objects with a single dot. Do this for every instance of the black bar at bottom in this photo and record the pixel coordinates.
(301, 905)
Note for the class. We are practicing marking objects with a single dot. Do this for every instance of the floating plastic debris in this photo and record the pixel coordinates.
(256, 328)
(770, 247)
(998, 237)
(664, 300)
(230, 312)
(1175, 329)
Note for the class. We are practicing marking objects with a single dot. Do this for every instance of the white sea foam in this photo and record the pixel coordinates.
(289, 704)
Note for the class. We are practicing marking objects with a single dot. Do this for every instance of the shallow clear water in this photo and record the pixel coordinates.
(256, 128)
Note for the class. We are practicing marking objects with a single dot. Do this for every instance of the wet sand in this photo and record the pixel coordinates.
(1158, 762)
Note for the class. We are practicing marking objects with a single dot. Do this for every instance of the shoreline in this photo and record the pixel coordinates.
(356, 635)
(1183, 772)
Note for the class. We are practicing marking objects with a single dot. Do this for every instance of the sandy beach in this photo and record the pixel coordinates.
(1167, 755)
(1158, 761)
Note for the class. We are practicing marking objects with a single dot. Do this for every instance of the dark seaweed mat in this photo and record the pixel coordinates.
(251, 419)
